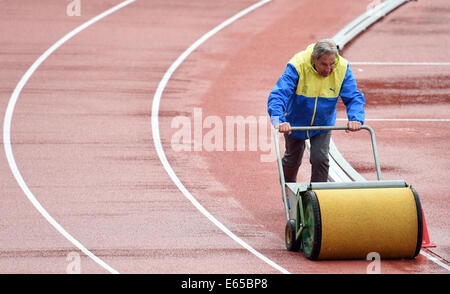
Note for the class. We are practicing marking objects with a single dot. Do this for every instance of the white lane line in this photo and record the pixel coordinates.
(435, 260)
(404, 119)
(400, 63)
(157, 138)
(7, 133)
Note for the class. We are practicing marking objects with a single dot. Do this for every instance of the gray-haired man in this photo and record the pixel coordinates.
(306, 94)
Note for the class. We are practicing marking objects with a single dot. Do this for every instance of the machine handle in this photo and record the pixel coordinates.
(343, 128)
(319, 128)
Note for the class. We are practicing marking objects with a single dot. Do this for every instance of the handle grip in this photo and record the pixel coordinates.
(343, 128)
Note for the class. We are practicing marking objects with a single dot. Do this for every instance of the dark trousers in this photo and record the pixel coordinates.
(320, 145)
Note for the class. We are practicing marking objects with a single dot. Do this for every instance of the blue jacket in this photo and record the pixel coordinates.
(303, 97)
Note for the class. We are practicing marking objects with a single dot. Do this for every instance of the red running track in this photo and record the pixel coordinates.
(82, 138)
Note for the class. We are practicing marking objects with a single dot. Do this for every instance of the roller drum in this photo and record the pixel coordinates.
(350, 223)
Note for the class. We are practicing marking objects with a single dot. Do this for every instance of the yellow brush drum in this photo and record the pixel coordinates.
(350, 223)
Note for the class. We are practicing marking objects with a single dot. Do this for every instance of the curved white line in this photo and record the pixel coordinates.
(157, 138)
(435, 260)
(7, 133)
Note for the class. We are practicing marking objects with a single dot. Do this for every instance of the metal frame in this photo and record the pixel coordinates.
(297, 188)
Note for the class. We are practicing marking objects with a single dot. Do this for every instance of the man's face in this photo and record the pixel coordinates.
(324, 64)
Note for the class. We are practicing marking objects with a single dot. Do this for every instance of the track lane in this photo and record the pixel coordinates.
(116, 204)
(157, 139)
(28, 242)
(99, 167)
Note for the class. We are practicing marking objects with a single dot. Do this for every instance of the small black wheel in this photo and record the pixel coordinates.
(312, 230)
(290, 233)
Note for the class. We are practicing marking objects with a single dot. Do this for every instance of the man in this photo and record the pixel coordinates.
(306, 94)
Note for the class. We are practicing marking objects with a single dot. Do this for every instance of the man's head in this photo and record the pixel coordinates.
(324, 56)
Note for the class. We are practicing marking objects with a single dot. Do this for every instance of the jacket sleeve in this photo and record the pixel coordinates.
(353, 99)
(283, 90)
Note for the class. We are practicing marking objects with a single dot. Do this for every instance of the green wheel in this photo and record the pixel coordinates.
(312, 230)
(291, 243)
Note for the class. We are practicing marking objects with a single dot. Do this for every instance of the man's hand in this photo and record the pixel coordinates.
(353, 126)
(284, 127)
